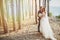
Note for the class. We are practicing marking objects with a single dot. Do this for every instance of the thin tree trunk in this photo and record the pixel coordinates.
(12, 9)
(0, 17)
(36, 11)
(18, 13)
(48, 7)
(3, 19)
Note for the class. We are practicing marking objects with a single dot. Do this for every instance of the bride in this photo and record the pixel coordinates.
(45, 27)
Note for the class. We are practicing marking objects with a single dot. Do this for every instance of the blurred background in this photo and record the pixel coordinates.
(18, 18)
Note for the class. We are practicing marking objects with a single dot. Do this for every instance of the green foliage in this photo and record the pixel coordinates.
(50, 14)
(58, 16)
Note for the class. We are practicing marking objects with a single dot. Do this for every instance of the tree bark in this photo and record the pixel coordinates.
(3, 19)
(36, 11)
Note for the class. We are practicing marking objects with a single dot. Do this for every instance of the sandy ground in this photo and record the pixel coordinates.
(30, 33)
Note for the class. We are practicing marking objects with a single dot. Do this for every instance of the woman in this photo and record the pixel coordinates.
(45, 28)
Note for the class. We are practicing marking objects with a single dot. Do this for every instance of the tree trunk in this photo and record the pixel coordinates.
(36, 11)
(3, 19)
(13, 15)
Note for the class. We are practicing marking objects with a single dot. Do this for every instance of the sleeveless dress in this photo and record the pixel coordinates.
(45, 27)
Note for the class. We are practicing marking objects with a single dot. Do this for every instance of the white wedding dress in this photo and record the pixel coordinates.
(45, 28)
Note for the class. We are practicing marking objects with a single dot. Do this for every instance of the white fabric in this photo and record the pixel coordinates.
(39, 14)
(45, 28)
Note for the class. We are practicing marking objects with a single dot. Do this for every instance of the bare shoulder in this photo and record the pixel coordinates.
(44, 12)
